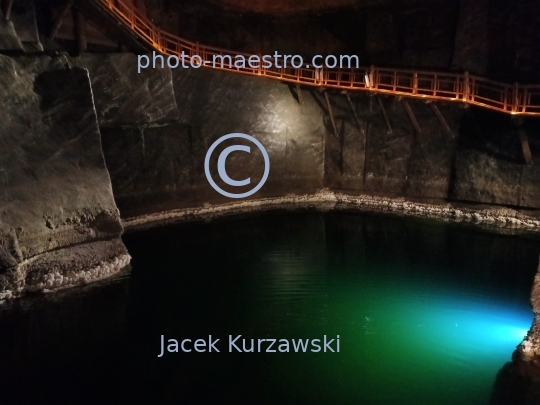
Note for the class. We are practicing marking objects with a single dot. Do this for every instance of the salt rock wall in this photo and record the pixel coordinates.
(391, 158)
(59, 224)
(489, 164)
(498, 39)
(156, 168)
(159, 165)
(123, 97)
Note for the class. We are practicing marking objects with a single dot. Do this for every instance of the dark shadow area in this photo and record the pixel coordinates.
(491, 133)
(518, 383)
(294, 92)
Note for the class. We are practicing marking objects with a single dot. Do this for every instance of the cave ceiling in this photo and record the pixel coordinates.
(281, 7)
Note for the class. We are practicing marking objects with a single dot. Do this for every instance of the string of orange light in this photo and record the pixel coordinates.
(513, 99)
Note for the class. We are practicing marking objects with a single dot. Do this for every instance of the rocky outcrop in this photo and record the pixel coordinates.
(530, 348)
(58, 216)
(518, 382)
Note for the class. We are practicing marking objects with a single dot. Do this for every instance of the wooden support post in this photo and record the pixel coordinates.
(8, 4)
(356, 119)
(515, 97)
(379, 100)
(299, 94)
(525, 147)
(60, 18)
(412, 117)
(441, 119)
(80, 31)
(466, 87)
(331, 114)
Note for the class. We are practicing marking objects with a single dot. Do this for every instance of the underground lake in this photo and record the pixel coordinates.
(426, 312)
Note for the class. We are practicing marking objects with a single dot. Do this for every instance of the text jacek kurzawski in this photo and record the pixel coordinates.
(238, 344)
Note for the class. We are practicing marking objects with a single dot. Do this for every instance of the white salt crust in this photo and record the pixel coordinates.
(328, 200)
(54, 280)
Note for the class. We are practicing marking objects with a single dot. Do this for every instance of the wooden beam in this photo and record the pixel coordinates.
(379, 100)
(525, 147)
(8, 4)
(356, 119)
(299, 94)
(411, 116)
(60, 18)
(441, 119)
(80, 31)
(331, 114)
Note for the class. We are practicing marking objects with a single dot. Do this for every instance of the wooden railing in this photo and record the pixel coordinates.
(513, 99)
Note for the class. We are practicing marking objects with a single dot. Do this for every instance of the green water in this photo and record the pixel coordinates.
(427, 313)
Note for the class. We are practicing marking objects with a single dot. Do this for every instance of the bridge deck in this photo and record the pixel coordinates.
(513, 99)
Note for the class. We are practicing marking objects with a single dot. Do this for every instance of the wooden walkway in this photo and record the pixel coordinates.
(513, 99)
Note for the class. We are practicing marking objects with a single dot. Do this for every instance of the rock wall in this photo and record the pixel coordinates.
(59, 224)
(156, 167)
(472, 35)
(64, 115)
(391, 158)
(124, 97)
(490, 165)
(498, 39)
(530, 348)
